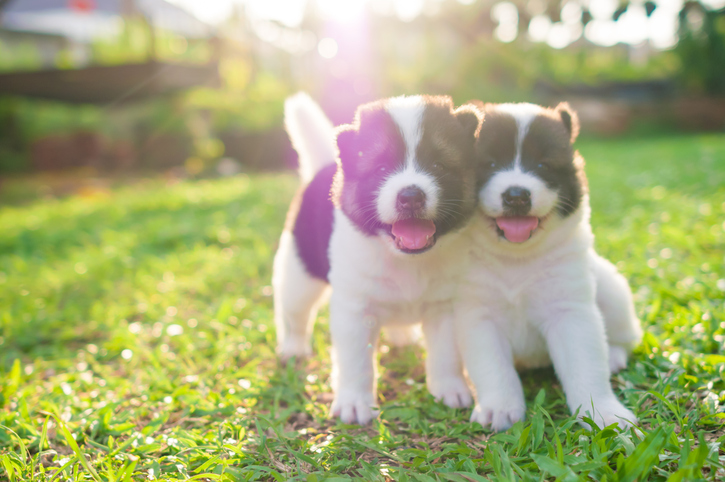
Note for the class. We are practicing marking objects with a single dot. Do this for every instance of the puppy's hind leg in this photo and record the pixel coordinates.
(614, 300)
(297, 297)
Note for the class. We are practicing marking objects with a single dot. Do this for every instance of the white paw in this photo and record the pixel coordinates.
(617, 358)
(607, 413)
(453, 392)
(499, 413)
(354, 408)
(294, 346)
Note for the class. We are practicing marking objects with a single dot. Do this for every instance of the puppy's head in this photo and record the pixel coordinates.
(406, 170)
(528, 173)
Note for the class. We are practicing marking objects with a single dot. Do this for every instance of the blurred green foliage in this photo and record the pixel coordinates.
(24, 56)
(452, 53)
(135, 44)
(701, 49)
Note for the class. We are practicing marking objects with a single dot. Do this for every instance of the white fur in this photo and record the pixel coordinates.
(524, 114)
(388, 196)
(297, 297)
(543, 199)
(374, 287)
(531, 309)
(407, 112)
(539, 302)
(311, 133)
(614, 299)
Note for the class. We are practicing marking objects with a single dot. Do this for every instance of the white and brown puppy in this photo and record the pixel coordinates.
(376, 220)
(536, 291)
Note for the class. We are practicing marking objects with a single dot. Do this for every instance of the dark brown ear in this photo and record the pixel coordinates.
(346, 142)
(570, 120)
(470, 118)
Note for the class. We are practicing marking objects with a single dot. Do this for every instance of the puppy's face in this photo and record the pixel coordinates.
(530, 176)
(406, 170)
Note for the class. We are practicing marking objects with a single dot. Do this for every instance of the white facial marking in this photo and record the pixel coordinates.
(407, 112)
(543, 199)
(388, 196)
(524, 115)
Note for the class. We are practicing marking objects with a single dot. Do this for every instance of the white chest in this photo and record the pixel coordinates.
(395, 287)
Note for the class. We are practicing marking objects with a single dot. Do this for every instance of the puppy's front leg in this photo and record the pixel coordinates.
(489, 361)
(354, 341)
(575, 337)
(443, 366)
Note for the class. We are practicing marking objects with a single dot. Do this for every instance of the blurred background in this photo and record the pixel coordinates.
(195, 88)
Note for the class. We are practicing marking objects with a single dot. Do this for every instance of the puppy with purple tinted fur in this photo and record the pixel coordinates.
(377, 220)
(536, 292)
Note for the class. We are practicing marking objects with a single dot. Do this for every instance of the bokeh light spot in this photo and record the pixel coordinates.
(327, 48)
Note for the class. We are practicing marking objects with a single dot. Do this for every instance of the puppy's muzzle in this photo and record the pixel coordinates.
(410, 202)
(516, 201)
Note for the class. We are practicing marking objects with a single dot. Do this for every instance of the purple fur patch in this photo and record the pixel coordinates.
(313, 226)
(370, 153)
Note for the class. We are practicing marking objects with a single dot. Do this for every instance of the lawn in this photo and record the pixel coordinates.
(137, 341)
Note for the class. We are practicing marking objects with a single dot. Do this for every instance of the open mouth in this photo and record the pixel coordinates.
(517, 229)
(413, 235)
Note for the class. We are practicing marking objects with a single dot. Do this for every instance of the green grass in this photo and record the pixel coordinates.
(137, 342)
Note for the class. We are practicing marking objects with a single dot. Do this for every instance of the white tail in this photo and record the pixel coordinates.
(311, 133)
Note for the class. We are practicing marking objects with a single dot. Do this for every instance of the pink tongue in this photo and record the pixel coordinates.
(413, 233)
(517, 229)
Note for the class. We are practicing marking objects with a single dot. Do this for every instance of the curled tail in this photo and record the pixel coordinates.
(311, 133)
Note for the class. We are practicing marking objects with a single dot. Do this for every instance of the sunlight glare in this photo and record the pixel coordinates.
(559, 36)
(663, 24)
(507, 16)
(209, 11)
(602, 9)
(602, 32)
(539, 28)
(287, 12)
(327, 48)
(408, 10)
(632, 25)
(341, 10)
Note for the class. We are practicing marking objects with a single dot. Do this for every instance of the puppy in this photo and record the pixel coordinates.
(536, 290)
(377, 219)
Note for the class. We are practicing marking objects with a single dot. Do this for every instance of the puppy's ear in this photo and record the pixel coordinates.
(570, 120)
(346, 145)
(470, 117)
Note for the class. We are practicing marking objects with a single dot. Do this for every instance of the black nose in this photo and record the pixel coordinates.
(411, 199)
(517, 198)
